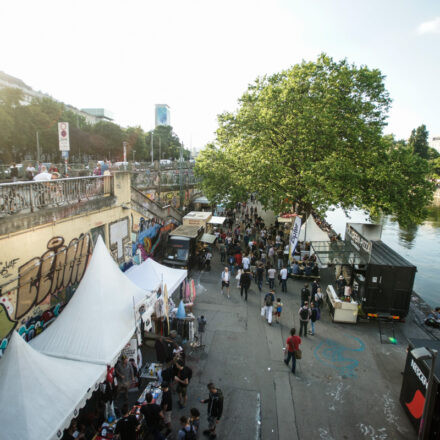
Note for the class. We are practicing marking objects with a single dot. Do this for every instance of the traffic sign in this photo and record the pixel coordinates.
(63, 136)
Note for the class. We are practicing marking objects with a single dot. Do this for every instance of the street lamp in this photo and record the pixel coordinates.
(423, 354)
(134, 152)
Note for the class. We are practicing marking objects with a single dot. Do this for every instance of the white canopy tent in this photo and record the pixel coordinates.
(215, 220)
(99, 320)
(149, 275)
(310, 231)
(39, 394)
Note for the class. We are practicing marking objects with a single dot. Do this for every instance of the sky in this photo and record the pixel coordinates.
(198, 56)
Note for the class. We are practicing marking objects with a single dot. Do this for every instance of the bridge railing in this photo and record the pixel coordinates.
(20, 197)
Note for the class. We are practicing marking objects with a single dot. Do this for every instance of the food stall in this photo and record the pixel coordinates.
(340, 310)
(197, 218)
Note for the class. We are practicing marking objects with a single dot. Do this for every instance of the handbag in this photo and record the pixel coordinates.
(298, 354)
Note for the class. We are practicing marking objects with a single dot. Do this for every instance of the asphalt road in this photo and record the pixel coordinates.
(347, 385)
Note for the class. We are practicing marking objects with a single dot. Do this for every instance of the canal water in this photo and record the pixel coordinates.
(418, 244)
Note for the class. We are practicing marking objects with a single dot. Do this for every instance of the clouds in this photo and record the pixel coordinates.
(430, 27)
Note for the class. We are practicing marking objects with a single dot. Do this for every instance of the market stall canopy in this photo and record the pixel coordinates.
(208, 238)
(217, 220)
(202, 200)
(150, 273)
(310, 231)
(99, 320)
(337, 252)
(39, 394)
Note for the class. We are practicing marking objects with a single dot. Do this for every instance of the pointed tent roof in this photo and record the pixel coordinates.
(39, 394)
(148, 275)
(99, 319)
(310, 231)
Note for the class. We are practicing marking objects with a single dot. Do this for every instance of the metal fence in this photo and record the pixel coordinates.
(30, 196)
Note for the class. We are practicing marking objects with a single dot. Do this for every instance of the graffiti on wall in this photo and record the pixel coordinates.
(7, 266)
(43, 282)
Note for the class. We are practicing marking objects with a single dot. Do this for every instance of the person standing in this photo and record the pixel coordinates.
(319, 298)
(166, 405)
(269, 299)
(283, 275)
(231, 261)
(127, 425)
(14, 172)
(271, 272)
(182, 378)
(305, 294)
(304, 317)
(215, 409)
(314, 316)
(226, 280)
(125, 374)
(292, 344)
(186, 431)
(245, 283)
(153, 416)
(278, 310)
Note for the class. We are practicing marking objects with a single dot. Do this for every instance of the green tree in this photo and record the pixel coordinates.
(418, 141)
(311, 137)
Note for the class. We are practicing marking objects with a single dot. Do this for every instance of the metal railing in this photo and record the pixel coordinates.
(30, 196)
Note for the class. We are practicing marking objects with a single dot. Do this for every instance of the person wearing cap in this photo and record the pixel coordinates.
(166, 405)
(341, 283)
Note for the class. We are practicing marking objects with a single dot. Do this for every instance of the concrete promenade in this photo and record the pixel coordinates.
(347, 384)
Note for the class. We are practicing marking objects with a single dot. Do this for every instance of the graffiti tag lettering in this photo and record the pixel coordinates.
(6, 266)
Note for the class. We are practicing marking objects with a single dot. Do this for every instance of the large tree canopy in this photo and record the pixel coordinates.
(312, 136)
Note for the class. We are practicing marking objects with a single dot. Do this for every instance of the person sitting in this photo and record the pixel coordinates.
(433, 319)
(296, 269)
(308, 269)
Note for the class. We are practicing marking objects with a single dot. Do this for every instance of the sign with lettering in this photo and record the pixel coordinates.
(294, 235)
(63, 136)
(357, 240)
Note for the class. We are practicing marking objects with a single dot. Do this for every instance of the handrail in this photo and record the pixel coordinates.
(28, 196)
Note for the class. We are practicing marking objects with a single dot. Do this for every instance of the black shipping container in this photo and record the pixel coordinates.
(386, 282)
(414, 388)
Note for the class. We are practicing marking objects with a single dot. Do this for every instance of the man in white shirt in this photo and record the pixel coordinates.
(43, 176)
(283, 275)
(246, 262)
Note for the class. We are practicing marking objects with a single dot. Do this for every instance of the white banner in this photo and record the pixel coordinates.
(294, 235)
(63, 136)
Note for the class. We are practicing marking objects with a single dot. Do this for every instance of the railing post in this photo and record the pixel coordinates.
(31, 198)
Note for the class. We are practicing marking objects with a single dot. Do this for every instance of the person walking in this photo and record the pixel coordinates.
(231, 261)
(283, 275)
(246, 262)
(304, 317)
(278, 310)
(314, 316)
(260, 275)
(166, 405)
(215, 409)
(222, 252)
(208, 257)
(319, 298)
(245, 283)
(269, 299)
(271, 272)
(292, 345)
(226, 280)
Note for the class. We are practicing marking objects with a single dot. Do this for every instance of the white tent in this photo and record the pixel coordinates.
(310, 231)
(150, 273)
(99, 320)
(39, 394)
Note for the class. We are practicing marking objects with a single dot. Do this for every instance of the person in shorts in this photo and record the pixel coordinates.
(226, 279)
(182, 378)
(278, 309)
(215, 410)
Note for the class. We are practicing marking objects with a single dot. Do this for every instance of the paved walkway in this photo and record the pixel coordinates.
(347, 384)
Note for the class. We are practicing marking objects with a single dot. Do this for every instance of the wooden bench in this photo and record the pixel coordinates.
(304, 277)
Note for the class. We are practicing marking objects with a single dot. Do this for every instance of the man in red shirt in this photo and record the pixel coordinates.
(238, 259)
(292, 345)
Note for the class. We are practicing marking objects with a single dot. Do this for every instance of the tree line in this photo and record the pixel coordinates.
(20, 123)
(311, 137)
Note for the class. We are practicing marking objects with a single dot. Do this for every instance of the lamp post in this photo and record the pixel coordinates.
(134, 152)
(423, 354)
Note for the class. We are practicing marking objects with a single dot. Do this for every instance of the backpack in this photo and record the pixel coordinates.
(304, 314)
(269, 300)
(191, 434)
